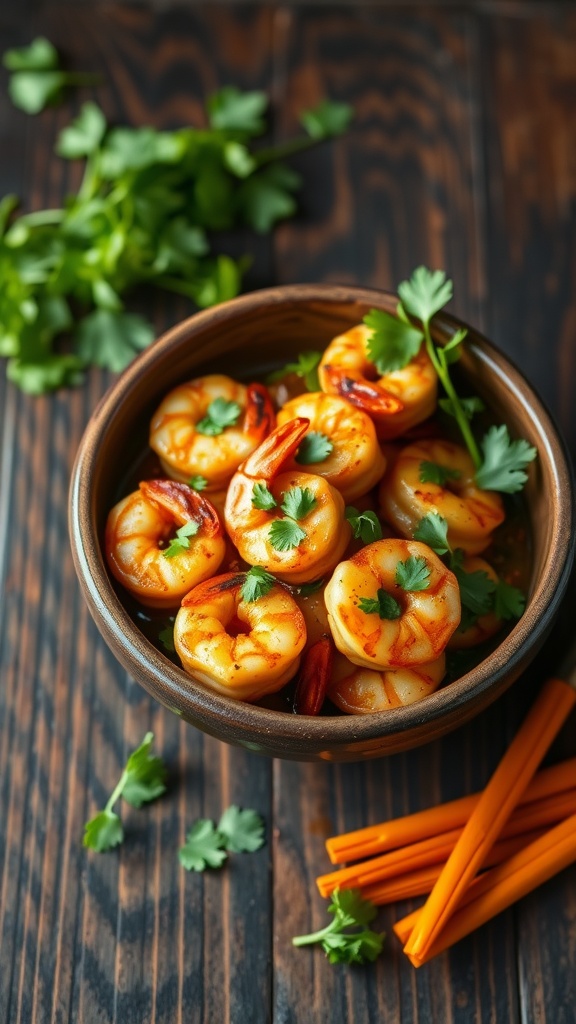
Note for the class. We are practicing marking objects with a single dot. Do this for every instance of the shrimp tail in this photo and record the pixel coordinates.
(372, 398)
(260, 417)
(267, 460)
(314, 677)
(183, 504)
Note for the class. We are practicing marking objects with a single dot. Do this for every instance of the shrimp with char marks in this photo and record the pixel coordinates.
(244, 649)
(320, 534)
(355, 462)
(188, 447)
(363, 691)
(138, 531)
(397, 400)
(420, 625)
(471, 513)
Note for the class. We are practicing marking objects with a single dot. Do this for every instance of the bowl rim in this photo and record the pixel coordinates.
(172, 686)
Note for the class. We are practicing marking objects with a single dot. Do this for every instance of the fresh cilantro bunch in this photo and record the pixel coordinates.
(500, 462)
(37, 79)
(143, 780)
(347, 939)
(208, 845)
(146, 212)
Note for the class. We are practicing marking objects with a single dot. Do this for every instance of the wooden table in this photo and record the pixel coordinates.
(462, 155)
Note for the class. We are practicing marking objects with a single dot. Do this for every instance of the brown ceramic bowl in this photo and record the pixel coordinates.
(248, 336)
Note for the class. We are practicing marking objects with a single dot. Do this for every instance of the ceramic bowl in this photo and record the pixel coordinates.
(244, 338)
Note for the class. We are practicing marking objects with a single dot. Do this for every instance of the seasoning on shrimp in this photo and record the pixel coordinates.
(341, 444)
(376, 622)
(409, 492)
(244, 649)
(362, 691)
(208, 426)
(291, 523)
(162, 540)
(396, 400)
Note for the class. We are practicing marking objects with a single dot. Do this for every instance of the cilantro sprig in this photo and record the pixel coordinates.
(298, 502)
(208, 845)
(413, 574)
(347, 939)
(221, 413)
(383, 605)
(365, 525)
(504, 464)
(306, 367)
(181, 542)
(262, 498)
(314, 447)
(434, 473)
(37, 79)
(257, 583)
(143, 780)
(433, 531)
(198, 482)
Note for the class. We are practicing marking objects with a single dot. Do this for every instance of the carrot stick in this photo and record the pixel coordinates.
(503, 885)
(387, 835)
(436, 849)
(493, 809)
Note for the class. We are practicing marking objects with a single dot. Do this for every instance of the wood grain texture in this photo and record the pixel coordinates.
(462, 155)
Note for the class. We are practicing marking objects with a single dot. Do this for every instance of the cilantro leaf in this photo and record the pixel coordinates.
(257, 584)
(39, 56)
(103, 831)
(285, 534)
(504, 462)
(143, 779)
(243, 831)
(31, 91)
(84, 135)
(383, 605)
(393, 342)
(433, 473)
(298, 502)
(203, 847)
(315, 447)
(469, 406)
(198, 483)
(181, 541)
(433, 531)
(509, 602)
(476, 588)
(109, 339)
(166, 638)
(326, 119)
(221, 414)
(413, 574)
(230, 109)
(365, 525)
(341, 946)
(262, 498)
(266, 196)
(425, 293)
(306, 367)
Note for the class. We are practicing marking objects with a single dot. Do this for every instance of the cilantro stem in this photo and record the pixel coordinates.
(117, 791)
(39, 218)
(307, 940)
(460, 415)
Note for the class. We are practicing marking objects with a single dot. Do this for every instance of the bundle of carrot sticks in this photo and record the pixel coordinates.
(477, 855)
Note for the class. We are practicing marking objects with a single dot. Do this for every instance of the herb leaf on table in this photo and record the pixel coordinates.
(342, 945)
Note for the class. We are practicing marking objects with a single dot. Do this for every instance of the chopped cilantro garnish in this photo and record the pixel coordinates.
(198, 483)
(341, 945)
(504, 464)
(207, 845)
(221, 414)
(365, 525)
(262, 498)
(393, 342)
(181, 541)
(433, 473)
(509, 602)
(413, 574)
(285, 534)
(433, 531)
(306, 367)
(476, 588)
(383, 605)
(298, 502)
(315, 447)
(257, 584)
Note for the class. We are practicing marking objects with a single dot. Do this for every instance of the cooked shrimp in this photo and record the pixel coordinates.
(396, 401)
(362, 691)
(356, 462)
(425, 619)
(136, 543)
(471, 514)
(185, 451)
(485, 625)
(313, 608)
(319, 537)
(242, 649)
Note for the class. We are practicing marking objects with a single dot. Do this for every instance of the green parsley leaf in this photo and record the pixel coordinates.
(476, 588)
(198, 483)
(384, 605)
(143, 780)
(166, 638)
(221, 414)
(425, 293)
(393, 343)
(433, 473)
(509, 602)
(239, 160)
(341, 946)
(315, 447)
(298, 502)
(413, 574)
(45, 375)
(243, 831)
(230, 109)
(39, 56)
(266, 196)
(505, 461)
(31, 91)
(327, 119)
(181, 541)
(433, 531)
(285, 534)
(84, 135)
(470, 406)
(306, 367)
(262, 498)
(203, 847)
(257, 584)
(109, 339)
(365, 525)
